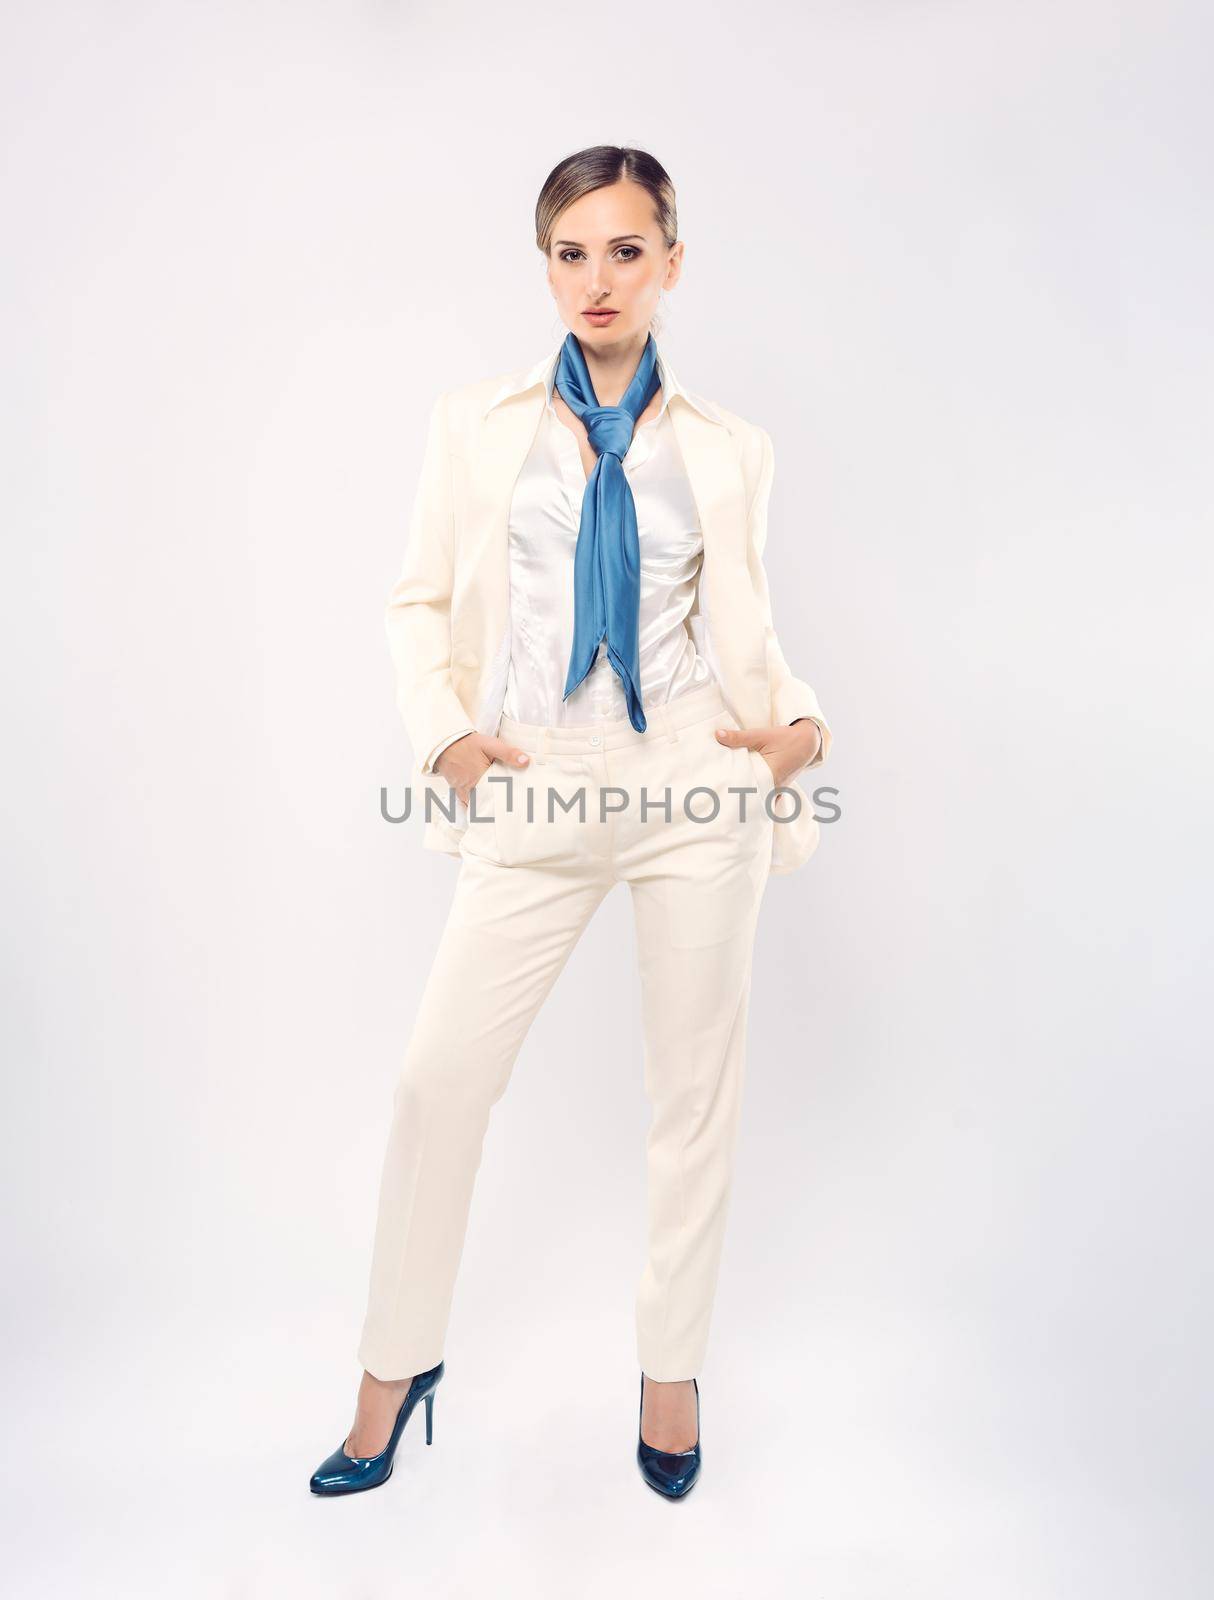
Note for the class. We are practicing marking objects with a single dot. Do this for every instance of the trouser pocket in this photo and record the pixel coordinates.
(542, 813)
(479, 834)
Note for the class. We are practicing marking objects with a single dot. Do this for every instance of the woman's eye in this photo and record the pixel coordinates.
(633, 253)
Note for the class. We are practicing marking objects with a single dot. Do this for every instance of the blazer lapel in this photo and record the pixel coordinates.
(727, 598)
(506, 438)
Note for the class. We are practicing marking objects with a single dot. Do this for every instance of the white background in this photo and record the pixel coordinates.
(957, 260)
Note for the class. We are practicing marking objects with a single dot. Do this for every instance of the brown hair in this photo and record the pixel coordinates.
(595, 168)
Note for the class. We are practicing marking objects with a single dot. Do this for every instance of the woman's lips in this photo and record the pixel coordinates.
(600, 316)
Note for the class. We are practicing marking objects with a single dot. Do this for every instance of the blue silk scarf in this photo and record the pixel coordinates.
(607, 557)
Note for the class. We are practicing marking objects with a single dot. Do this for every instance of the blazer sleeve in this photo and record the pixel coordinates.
(790, 697)
(418, 618)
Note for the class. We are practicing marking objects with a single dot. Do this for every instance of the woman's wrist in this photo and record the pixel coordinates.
(814, 744)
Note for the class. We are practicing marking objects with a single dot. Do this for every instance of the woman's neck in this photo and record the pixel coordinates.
(612, 370)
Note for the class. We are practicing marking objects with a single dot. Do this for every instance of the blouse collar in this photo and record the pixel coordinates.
(544, 372)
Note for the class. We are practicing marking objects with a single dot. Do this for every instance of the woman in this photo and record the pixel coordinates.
(582, 637)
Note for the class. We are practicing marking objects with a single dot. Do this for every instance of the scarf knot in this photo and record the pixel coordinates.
(609, 429)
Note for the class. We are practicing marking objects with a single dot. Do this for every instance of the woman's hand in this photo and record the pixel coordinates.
(785, 749)
(464, 763)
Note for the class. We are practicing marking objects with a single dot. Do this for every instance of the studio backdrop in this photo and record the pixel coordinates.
(956, 261)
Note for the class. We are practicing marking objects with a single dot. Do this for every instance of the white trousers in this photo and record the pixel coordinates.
(530, 878)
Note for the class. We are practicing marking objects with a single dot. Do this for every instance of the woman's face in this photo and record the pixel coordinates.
(607, 252)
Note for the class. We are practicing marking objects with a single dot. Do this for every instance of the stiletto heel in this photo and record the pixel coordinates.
(345, 1474)
(670, 1472)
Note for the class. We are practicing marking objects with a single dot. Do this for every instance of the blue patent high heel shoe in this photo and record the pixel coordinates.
(345, 1474)
(671, 1473)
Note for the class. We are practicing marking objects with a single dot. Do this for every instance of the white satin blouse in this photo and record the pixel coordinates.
(545, 515)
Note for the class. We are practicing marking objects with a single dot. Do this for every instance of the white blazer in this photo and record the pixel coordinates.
(448, 615)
